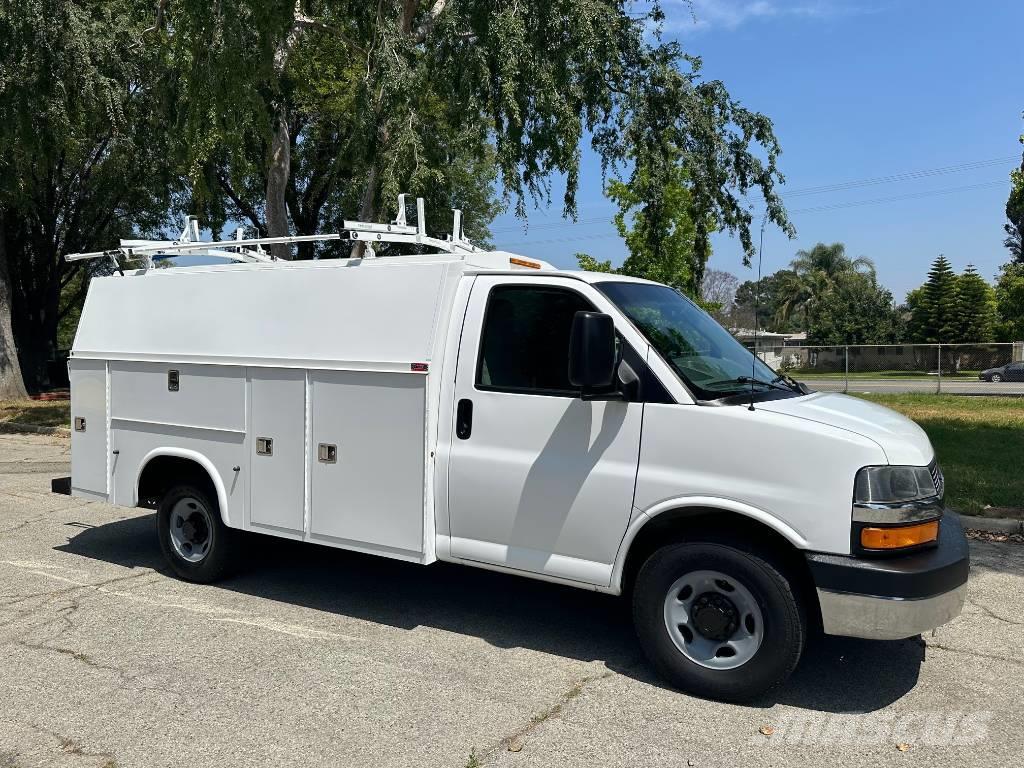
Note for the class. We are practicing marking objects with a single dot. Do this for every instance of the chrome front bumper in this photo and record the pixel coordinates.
(896, 597)
(887, 618)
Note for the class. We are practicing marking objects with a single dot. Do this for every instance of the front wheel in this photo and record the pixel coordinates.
(718, 621)
(996, 378)
(194, 539)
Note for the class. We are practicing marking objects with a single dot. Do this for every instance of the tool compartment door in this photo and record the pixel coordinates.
(367, 461)
(88, 427)
(277, 450)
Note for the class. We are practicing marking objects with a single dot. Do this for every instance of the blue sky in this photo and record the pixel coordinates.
(857, 90)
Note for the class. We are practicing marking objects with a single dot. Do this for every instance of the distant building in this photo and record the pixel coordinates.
(771, 346)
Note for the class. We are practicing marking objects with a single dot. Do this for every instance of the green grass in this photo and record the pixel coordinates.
(811, 375)
(40, 413)
(980, 445)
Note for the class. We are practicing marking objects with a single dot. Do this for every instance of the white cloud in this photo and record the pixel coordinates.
(730, 14)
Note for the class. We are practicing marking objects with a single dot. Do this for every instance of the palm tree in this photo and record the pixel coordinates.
(813, 274)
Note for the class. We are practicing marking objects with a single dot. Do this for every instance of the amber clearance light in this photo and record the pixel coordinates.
(897, 538)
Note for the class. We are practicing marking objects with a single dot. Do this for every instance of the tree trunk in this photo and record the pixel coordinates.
(367, 208)
(277, 183)
(11, 383)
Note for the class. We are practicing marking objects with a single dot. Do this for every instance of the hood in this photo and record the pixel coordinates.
(902, 441)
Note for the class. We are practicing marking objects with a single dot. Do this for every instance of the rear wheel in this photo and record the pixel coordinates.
(718, 621)
(194, 539)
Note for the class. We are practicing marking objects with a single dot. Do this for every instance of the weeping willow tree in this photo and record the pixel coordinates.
(82, 161)
(296, 114)
(290, 116)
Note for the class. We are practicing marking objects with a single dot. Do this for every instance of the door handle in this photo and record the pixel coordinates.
(464, 419)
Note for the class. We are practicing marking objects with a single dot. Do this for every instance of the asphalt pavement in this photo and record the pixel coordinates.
(318, 657)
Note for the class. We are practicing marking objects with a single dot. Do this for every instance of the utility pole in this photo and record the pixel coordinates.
(846, 369)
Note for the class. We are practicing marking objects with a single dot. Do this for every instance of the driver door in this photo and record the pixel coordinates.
(539, 480)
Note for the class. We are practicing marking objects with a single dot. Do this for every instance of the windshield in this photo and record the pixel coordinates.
(711, 362)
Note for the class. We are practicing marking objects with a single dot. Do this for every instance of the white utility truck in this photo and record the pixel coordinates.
(488, 409)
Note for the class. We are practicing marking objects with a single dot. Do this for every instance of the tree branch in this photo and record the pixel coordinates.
(244, 209)
(428, 24)
(158, 24)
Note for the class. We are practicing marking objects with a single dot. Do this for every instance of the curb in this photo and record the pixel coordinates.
(992, 524)
(11, 427)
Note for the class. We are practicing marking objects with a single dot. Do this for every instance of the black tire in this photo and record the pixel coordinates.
(995, 377)
(784, 629)
(216, 558)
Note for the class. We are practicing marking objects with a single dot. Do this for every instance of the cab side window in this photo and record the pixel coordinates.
(525, 341)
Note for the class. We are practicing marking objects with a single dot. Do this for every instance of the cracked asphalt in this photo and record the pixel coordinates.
(312, 656)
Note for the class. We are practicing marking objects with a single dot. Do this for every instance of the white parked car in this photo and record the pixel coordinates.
(487, 409)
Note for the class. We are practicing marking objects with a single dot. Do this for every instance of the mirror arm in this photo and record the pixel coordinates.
(589, 395)
(627, 385)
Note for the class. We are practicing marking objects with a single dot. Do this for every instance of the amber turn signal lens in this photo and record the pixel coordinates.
(897, 538)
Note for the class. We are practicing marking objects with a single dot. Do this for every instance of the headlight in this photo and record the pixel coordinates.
(889, 485)
(896, 508)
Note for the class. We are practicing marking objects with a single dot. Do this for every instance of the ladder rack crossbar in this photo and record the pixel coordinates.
(250, 249)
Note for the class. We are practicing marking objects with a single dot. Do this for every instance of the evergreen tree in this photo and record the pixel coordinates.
(935, 316)
(976, 307)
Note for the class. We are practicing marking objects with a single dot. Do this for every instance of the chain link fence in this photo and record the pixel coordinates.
(974, 369)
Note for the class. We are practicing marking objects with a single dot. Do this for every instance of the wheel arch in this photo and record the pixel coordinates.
(162, 467)
(678, 519)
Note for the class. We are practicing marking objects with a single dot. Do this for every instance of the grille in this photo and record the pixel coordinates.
(937, 478)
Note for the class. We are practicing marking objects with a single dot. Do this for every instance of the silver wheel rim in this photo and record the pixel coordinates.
(996, 378)
(713, 620)
(191, 529)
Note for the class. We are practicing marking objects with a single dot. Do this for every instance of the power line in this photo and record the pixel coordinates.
(843, 186)
(815, 209)
(908, 176)
(896, 198)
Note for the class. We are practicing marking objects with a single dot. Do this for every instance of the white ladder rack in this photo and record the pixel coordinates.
(246, 249)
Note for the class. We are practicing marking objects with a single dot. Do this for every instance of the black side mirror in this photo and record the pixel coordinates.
(591, 351)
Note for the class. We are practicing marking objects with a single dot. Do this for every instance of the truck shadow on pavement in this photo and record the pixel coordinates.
(840, 675)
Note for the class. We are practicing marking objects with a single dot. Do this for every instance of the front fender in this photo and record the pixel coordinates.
(643, 517)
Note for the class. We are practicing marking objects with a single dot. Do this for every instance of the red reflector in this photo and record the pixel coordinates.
(419, 367)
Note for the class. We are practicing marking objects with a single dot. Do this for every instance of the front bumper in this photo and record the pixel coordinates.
(897, 597)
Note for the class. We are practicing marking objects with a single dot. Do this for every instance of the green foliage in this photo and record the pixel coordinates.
(1010, 302)
(687, 147)
(976, 307)
(854, 310)
(936, 315)
(916, 317)
(590, 264)
(836, 299)
(1015, 214)
(659, 235)
(294, 116)
(813, 276)
(82, 156)
(446, 100)
(770, 298)
(951, 308)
